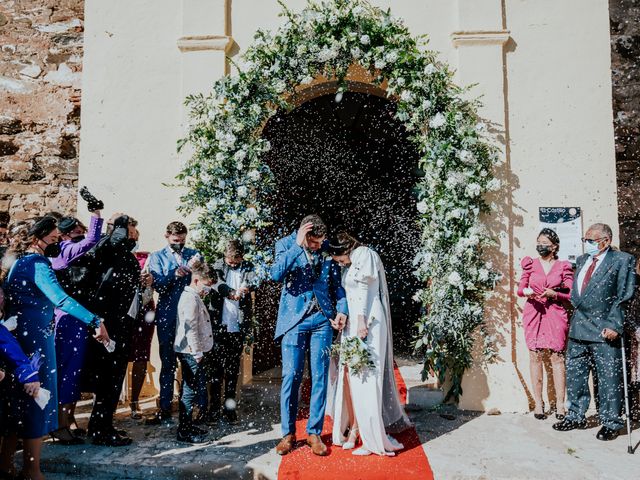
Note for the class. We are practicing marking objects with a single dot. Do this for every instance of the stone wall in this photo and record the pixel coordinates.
(41, 43)
(625, 59)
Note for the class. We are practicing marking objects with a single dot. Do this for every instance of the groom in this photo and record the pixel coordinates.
(312, 302)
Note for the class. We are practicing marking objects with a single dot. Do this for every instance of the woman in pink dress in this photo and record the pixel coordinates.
(546, 283)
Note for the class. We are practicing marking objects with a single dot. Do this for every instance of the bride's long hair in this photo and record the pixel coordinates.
(342, 243)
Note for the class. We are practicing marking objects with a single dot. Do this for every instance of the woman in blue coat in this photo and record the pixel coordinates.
(33, 292)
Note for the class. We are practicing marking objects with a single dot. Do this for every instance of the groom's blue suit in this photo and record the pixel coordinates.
(312, 295)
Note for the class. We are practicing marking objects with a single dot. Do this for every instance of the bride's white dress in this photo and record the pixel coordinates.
(374, 394)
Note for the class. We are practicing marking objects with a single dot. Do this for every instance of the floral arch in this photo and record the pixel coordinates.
(227, 184)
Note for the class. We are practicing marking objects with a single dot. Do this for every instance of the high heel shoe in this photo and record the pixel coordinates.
(362, 452)
(135, 411)
(540, 416)
(64, 436)
(350, 444)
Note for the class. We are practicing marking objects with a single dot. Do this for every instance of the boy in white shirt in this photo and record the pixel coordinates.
(193, 339)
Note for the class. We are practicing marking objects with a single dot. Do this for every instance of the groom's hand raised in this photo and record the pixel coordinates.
(302, 234)
(339, 322)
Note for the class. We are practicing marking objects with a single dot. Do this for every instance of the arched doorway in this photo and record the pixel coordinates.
(351, 162)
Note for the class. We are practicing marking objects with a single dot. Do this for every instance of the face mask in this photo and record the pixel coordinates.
(205, 290)
(544, 250)
(52, 250)
(591, 249)
(77, 239)
(130, 244)
(176, 247)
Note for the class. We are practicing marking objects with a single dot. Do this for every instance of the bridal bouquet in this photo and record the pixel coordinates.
(354, 353)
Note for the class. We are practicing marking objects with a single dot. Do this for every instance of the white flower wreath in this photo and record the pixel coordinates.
(457, 160)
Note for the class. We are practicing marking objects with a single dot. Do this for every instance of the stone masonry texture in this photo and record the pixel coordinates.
(40, 68)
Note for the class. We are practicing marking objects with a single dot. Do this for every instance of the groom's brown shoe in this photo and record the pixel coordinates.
(317, 447)
(286, 444)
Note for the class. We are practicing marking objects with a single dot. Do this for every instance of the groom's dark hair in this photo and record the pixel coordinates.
(319, 228)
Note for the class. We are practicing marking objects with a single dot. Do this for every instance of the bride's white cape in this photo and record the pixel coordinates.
(375, 394)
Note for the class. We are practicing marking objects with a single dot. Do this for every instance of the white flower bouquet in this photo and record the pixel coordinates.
(354, 353)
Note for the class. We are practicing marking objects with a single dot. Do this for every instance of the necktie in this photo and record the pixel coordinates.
(587, 277)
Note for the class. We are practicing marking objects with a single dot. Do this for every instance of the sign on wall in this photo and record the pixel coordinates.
(567, 223)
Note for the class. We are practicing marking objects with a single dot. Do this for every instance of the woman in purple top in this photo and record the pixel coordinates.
(72, 335)
(546, 283)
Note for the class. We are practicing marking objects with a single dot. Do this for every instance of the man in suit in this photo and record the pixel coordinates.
(115, 298)
(170, 270)
(231, 316)
(604, 283)
(312, 302)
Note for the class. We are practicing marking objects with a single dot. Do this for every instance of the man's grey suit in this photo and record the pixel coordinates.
(601, 305)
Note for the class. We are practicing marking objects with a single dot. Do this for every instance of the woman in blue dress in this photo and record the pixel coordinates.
(33, 291)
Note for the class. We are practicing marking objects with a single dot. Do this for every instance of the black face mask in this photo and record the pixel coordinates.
(544, 250)
(52, 250)
(77, 239)
(130, 243)
(176, 247)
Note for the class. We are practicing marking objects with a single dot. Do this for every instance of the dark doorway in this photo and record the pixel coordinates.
(350, 162)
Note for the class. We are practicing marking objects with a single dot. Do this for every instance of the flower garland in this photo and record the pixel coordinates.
(228, 185)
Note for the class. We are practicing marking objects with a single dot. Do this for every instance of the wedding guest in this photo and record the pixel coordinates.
(231, 315)
(170, 271)
(142, 336)
(72, 336)
(33, 292)
(546, 283)
(193, 339)
(633, 340)
(116, 300)
(604, 284)
(14, 362)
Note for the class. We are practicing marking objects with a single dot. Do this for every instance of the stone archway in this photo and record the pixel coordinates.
(351, 162)
(229, 185)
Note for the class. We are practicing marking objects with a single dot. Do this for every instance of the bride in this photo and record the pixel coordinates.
(365, 403)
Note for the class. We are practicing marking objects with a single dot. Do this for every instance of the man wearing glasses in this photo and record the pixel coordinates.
(604, 282)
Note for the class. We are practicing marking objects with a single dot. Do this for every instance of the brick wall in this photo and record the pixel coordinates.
(40, 68)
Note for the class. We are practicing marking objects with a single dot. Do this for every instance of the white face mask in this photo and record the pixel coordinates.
(205, 290)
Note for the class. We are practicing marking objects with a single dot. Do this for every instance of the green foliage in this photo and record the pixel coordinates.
(227, 184)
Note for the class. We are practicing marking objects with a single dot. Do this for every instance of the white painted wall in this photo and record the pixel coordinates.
(551, 89)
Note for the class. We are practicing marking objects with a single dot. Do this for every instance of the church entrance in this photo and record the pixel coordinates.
(349, 160)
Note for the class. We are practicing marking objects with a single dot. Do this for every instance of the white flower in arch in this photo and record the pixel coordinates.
(221, 126)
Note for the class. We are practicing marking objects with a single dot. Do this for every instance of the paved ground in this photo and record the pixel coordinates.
(459, 445)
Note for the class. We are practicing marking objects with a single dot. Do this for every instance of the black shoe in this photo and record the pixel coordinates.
(112, 439)
(606, 434)
(64, 436)
(230, 416)
(211, 418)
(191, 436)
(198, 431)
(160, 418)
(559, 416)
(566, 425)
(539, 416)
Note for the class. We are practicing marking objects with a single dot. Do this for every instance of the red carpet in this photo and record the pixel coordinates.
(410, 463)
